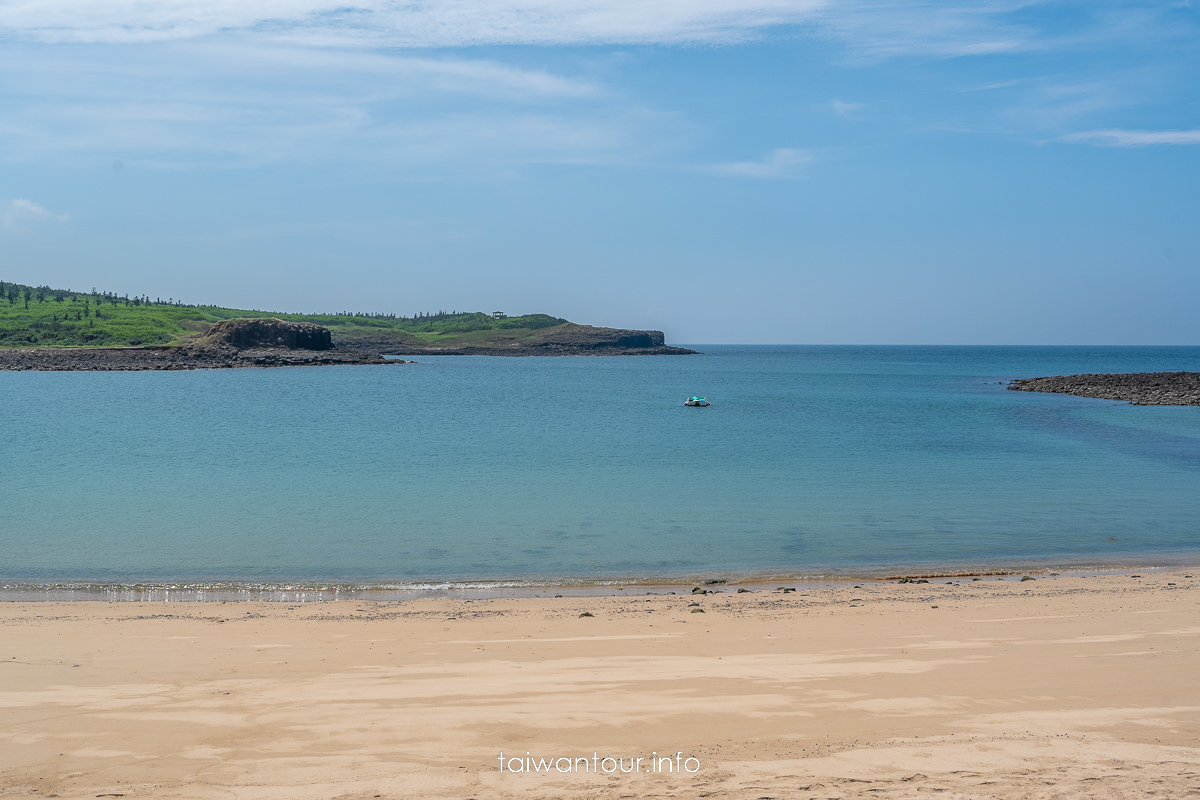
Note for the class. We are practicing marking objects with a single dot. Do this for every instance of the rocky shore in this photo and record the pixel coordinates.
(92, 359)
(227, 345)
(1139, 388)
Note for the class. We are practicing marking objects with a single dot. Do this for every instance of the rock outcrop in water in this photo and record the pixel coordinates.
(233, 343)
(1139, 388)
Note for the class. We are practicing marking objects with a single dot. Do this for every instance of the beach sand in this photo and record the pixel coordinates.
(1065, 686)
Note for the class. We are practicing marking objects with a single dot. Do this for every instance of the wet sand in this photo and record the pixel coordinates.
(1060, 687)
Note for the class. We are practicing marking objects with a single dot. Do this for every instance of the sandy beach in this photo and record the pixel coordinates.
(1066, 686)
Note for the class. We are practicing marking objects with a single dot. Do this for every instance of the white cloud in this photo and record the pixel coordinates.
(779, 163)
(21, 212)
(1115, 137)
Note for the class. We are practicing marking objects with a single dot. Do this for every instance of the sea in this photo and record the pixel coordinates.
(483, 471)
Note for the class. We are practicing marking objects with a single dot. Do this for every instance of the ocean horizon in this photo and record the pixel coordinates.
(832, 460)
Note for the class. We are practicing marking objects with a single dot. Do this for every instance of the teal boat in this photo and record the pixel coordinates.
(699, 402)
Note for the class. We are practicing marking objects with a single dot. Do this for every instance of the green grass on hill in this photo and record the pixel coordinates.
(33, 316)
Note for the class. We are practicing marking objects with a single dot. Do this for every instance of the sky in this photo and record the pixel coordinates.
(727, 171)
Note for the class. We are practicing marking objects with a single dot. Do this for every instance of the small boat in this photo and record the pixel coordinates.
(696, 401)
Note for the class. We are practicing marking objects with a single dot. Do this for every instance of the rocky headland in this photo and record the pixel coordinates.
(564, 340)
(226, 345)
(1139, 388)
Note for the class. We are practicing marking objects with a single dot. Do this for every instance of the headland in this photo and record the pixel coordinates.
(566, 339)
(42, 317)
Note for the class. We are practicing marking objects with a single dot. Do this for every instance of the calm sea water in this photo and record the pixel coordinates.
(810, 458)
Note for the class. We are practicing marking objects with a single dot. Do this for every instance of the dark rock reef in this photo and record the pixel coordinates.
(563, 340)
(1139, 388)
(226, 345)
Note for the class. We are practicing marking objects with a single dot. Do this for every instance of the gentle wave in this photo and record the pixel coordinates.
(393, 591)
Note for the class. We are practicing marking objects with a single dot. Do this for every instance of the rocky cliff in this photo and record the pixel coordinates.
(244, 334)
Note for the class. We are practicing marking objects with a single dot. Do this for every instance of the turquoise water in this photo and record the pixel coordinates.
(810, 458)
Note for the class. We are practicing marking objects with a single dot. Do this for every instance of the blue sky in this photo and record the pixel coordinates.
(759, 171)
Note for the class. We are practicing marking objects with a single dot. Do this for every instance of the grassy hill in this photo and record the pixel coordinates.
(32, 316)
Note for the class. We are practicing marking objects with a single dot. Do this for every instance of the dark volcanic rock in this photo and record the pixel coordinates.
(53, 359)
(1139, 388)
(228, 344)
(268, 332)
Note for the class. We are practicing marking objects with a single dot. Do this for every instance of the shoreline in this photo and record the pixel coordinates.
(309, 590)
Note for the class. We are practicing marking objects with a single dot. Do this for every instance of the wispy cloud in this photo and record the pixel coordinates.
(779, 163)
(420, 23)
(244, 82)
(19, 213)
(222, 102)
(1057, 104)
(846, 109)
(873, 30)
(993, 85)
(1115, 137)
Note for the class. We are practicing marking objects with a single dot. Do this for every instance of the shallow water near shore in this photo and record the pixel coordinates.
(810, 460)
